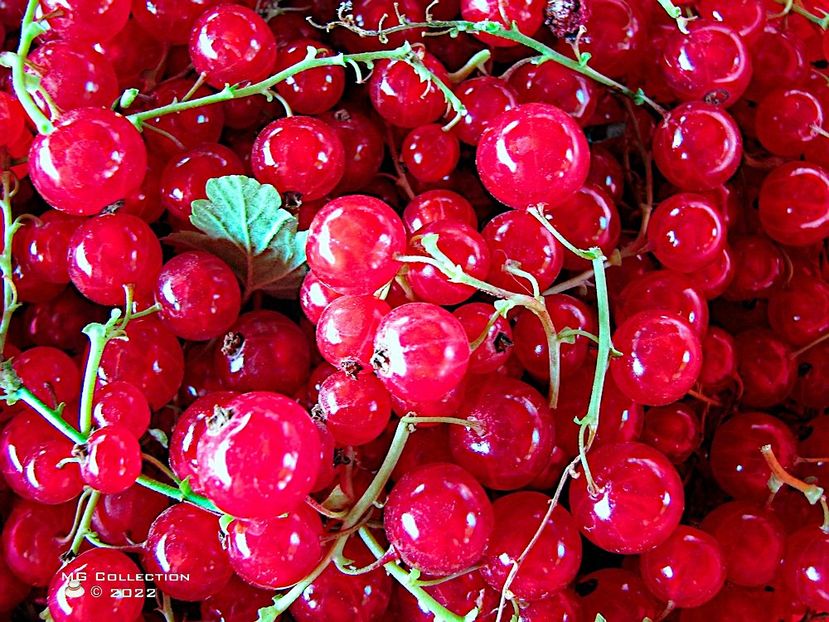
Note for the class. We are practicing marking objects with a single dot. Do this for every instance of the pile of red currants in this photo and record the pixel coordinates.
(413, 311)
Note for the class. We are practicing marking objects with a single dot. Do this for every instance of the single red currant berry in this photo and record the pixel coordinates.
(12, 119)
(199, 296)
(230, 43)
(185, 540)
(636, 502)
(112, 459)
(759, 266)
(766, 368)
(736, 461)
(312, 91)
(93, 158)
(116, 578)
(746, 17)
(552, 562)
(669, 292)
(85, 21)
(49, 373)
(615, 37)
(125, 518)
(606, 172)
(617, 594)
(484, 98)
(42, 248)
(697, 146)
(363, 144)
(356, 409)
(346, 331)
(794, 204)
(111, 251)
(687, 569)
(315, 296)
(674, 430)
(805, 568)
(799, 312)
(493, 338)
(787, 120)
(719, 359)
(277, 552)
(170, 21)
(34, 537)
(662, 358)
(445, 546)
(429, 153)
(686, 232)
(513, 437)
(532, 154)
(421, 352)
(352, 244)
(555, 84)
(436, 205)
(237, 453)
(237, 601)
(123, 404)
(401, 97)
(301, 155)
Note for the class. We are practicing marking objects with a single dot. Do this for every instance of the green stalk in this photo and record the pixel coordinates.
(28, 31)
(10, 227)
(86, 520)
(792, 5)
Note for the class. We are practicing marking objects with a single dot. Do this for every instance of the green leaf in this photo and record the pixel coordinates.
(242, 222)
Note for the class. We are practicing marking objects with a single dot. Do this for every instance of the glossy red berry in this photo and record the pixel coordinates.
(12, 119)
(445, 546)
(111, 251)
(346, 330)
(437, 205)
(794, 204)
(352, 244)
(313, 91)
(686, 232)
(710, 63)
(662, 358)
(92, 159)
(618, 594)
(199, 296)
(230, 43)
(514, 435)
(766, 368)
(697, 146)
(788, 120)
(123, 404)
(357, 409)
(33, 540)
(674, 430)
(669, 292)
(687, 569)
(301, 155)
(170, 21)
(115, 578)
(615, 35)
(429, 153)
(50, 374)
(533, 154)
(746, 17)
(759, 266)
(552, 562)
(42, 248)
(637, 502)
(237, 453)
(517, 240)
(112, 459)
(496, 347)
(237, 601)
(86, 21)
(719, 359)
(401, 97)
(125, 518)
(484, 98)
(421, 352)
(184, 177)
(185, 540)
(805, 569)
(799, 312)
(553, 83)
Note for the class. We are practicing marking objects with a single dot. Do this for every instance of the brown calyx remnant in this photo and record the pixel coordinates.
(565, 17)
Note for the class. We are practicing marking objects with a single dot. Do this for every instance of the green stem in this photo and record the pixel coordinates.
(675, 13)
(441, 613)
(513, 34)
(780, 476)
(86, 520)
(404, 52)
(98, 339)
(792, 5)
(10, 227)
(476, 62)
(28, 31)
(175, 493)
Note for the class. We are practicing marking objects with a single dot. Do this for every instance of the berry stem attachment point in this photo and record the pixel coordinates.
(675, 13)
(779, 477)
(476, 63)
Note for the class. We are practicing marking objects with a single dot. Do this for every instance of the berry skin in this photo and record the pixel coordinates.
(33, 540)
(766, 368)
(313, 91)
(352, 243)
(697, 146)
(421, 352)
(86, 21)
(230, 43)
(302, 155)
(48, 373)
(116, 599)
(93, 158)
(237, 601)
(435, 206)
(531, 154)
(518, 237)
(552, 562)
(12, 119)
(170, 21)
(751, 539)
(42, 248)
(199, 296)
(430, 154)
(484, 99)
(464, 247)
(799, 312)
(674, 430)
(615, 36)
(363, 145)
(736, 461)
(710, 63)
(669, 292)
(514, 437)
(356, 409)
(686, 232)
(719, 359)
(787, 121)
(346, 330)
(236, 456)
(687, 569)
(314, 297)
(185, 540)
(805, 569)
(276, 552)
(794, 204)
(263, 351)
(638, 501)
(13, 591)
(662, 358)
(184, 177)
(401, 97)
(552, 83)
(112, 460)
(111, 251)
(496, 347)
(438, 519)
(618, 594)
(526, 16)
(126, 517)
(150, 360)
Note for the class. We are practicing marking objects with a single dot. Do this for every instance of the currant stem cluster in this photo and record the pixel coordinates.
(780, 477)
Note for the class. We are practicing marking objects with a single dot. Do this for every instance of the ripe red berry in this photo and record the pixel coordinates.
(794, 204)
(346, 330)
(123, 404)
(805, 568)
(674, 430)
(86, 21)
(112, 459)
(356, 409)
(686, 232)
(125, 518)
(429, 153)
(436, 205)
(92, 159)
(484, 99)
(438, 519)
(401, 97)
